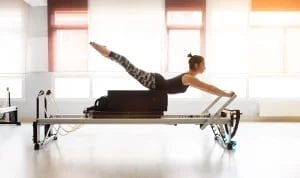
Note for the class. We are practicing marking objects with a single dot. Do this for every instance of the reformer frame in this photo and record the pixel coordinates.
(11, 111)
(223, 122)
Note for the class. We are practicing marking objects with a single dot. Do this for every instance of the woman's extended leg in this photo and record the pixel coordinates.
(145, 78)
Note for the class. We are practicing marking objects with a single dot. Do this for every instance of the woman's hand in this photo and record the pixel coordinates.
(229, 93)
(101, 49)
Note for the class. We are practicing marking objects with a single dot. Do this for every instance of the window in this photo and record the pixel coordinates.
(227, 43)
(12, 36)
(275, 32)
(185, 31)
(227, 52)
(70, 50)
(184, 37)
(181, 43)
(293, 52)
(68, 36)
(266, 51)
(70, 47)
(264, 18)
(12, 47)
(133, 28)
(274, 48)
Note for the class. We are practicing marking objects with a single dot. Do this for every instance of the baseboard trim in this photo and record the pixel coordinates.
(270, 119)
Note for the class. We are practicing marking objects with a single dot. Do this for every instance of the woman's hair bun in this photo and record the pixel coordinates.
(190, 55)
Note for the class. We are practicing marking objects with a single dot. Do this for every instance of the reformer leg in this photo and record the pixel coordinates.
(224, 137)
(230, 143)
(13, 117)
(36, 135)
(235, 119)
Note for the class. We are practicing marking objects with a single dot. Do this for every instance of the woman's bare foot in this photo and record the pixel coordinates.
(100, 48)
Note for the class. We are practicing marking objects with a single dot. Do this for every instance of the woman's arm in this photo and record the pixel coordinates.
(194, 82)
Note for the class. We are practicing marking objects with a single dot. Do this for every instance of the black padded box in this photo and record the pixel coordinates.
(137, 101)
(132, 104)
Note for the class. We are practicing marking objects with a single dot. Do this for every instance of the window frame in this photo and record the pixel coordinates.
(69, 6)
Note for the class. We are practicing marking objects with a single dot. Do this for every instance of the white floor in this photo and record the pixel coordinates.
(137, 151)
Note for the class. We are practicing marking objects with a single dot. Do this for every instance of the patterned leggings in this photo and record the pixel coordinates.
(145, 78)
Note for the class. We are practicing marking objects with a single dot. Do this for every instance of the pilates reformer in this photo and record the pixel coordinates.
(9, 114)
(223, 122)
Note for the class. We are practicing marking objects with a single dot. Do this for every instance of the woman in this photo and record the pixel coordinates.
(155, 81)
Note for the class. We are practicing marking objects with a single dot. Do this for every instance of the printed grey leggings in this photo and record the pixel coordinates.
(145, 78)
